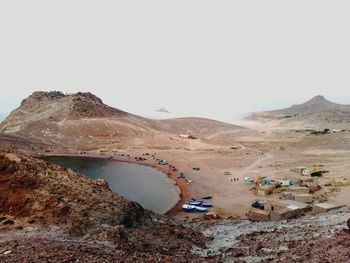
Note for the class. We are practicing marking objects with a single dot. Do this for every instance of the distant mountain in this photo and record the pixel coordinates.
(162, 109)
(317, 112)
(314, 105)
(83, 120)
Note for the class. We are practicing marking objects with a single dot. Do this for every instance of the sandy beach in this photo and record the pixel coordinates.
(270, 153)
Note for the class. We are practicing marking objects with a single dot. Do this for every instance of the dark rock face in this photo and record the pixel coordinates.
(89, 96)
(87, 105)
(133, 213)
(41, 95)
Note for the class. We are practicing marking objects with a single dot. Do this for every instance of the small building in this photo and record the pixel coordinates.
(286, 209)
(294, 205)
(299, 189)
(303, 198)
(325, 207)
(287, 195)
(313, 187)
(270, 205)
(258, 215)
(265, 190)
(286, 213)
(281, 214)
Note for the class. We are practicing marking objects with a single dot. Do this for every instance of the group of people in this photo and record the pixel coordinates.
(235, 179)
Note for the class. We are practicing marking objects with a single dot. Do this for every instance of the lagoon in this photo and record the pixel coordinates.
(147, 186)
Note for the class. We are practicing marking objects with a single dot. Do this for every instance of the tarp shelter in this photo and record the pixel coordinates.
(266, 181)
(285, 182)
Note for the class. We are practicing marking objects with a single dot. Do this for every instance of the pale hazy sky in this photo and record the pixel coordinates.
(215, 59)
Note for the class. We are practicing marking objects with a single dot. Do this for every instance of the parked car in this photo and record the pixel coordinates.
(258, 204)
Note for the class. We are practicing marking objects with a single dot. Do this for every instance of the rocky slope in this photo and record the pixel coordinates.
(312, 238)
(60, 215)
(82, 120)
(318, 113)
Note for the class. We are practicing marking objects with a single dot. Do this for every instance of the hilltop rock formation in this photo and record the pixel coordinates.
(318, 113)
(66, 211)
(315, 105)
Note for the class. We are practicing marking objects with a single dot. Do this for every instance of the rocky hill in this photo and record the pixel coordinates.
(83, 120)
(318, 113)
(52, 214)
(64, 216)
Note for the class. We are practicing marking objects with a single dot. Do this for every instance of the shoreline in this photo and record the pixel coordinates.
(180, 185)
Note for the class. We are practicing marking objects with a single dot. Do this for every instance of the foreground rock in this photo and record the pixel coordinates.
(312, 238)
(60, 215)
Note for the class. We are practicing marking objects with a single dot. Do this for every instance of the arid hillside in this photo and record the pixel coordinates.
(317, 113)
(46, 209)
(59, 214)
(82, 120)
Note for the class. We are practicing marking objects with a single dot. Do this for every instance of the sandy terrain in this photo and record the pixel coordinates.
(272, 153)
(80, 124)
(70, 124)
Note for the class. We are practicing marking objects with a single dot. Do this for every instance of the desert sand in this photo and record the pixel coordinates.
(270, 152)
(54, 123)
(272, 145)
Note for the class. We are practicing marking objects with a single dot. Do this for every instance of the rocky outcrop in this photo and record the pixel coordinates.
(87, 105)
(37, 197)
(81, 104)
(312, 238)
(40, 192)
(42, 95)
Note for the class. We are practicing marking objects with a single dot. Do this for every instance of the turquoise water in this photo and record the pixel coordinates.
(152, 189)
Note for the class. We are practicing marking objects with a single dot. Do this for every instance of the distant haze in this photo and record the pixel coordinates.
(196, 58)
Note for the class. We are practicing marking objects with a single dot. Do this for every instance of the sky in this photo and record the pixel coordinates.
(215, 59)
